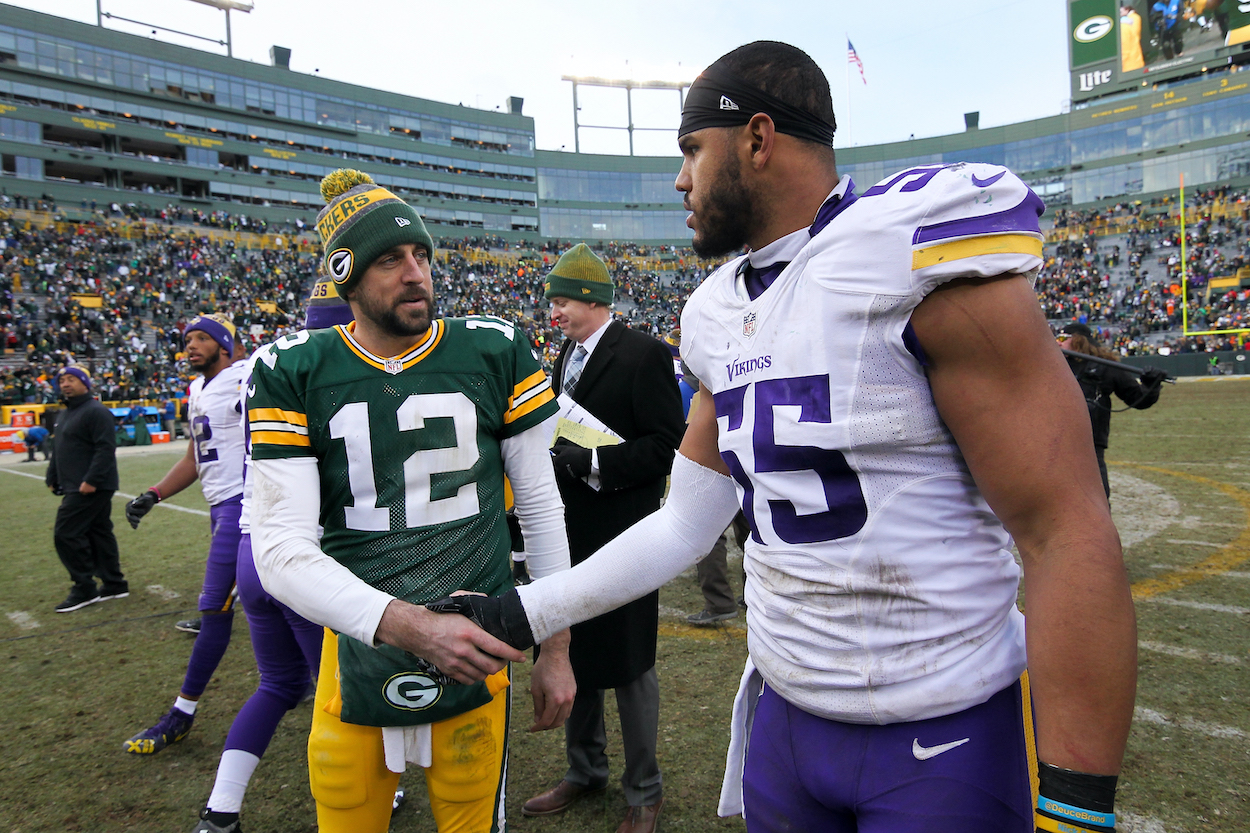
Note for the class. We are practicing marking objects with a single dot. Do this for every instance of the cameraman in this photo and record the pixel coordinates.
(1098, 382)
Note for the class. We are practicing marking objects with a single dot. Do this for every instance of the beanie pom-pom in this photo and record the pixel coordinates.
(342, 181)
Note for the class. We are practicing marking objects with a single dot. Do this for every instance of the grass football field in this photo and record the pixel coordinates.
(76, 685)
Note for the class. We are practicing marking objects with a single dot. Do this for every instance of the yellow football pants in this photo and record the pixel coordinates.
(354, 789)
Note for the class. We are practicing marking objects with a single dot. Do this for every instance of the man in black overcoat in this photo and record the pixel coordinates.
(624, 379)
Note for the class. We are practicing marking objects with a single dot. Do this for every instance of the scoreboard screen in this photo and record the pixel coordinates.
(1116, 45)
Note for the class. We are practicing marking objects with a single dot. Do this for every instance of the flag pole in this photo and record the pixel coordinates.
(850, 125)
(1184, 268)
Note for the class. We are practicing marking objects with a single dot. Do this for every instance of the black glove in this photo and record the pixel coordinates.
(1078, 800)
(1152, 377)
(517, 539)
(140, 506)
(502, 617)
(571, 458)
(58, 491)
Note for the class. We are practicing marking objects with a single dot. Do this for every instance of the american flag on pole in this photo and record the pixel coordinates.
(852, 57)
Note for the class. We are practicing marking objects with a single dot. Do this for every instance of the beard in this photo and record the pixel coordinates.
(723, 218)
(206, 362)
(387, 317)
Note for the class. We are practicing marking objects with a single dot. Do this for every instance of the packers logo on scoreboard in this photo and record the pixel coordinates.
(412, 692)
(339, 264)
(1093, 28)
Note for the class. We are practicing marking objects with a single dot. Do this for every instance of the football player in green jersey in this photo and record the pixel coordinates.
(394, 434)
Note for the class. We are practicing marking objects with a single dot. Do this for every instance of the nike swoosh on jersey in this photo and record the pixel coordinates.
(924, 753)
(986, 183)
(251, 391)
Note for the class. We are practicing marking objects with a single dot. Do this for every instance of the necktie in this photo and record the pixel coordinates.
(574, 371)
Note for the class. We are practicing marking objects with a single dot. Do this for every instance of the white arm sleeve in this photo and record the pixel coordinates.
(286, 500)
(527, 462)
(701, 503)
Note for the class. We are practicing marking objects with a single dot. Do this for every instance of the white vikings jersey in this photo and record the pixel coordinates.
(217, 433)
(245, 516)
(881, 588)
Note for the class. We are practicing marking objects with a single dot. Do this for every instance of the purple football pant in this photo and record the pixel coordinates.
(216, 598)
(287, 647)
(967, 772)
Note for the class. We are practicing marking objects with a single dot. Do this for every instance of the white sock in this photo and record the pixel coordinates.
(182, 704)
(233, 773)
(518, 556)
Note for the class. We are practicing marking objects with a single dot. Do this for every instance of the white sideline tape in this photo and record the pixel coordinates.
(200, 512)
(23, 620)
(1189, 653)
(1215, 730)
(1214, 608)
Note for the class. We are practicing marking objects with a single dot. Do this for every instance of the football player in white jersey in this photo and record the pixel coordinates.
(215, 458)
(884, 401)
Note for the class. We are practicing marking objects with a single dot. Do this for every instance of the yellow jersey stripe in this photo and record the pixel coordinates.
(276, 415)
(409, 359)
(990, 244)
(280, 438)
(533, 380)
(528, 406)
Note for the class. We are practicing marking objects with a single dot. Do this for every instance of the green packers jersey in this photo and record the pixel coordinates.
(412, 491)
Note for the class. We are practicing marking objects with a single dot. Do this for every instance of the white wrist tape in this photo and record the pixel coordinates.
(658, 548)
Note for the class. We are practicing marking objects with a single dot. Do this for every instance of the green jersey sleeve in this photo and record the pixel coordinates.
(532, 399)
(277, 416)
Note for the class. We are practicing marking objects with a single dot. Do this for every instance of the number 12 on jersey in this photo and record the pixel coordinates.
(351, 425)
(809, 395)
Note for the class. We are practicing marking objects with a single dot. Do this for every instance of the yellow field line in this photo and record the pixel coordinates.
(1231, 555)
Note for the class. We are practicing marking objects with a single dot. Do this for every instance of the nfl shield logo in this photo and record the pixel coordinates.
(394, 366)
(748, 324)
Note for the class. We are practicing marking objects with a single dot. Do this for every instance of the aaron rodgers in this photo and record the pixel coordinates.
(394, 433)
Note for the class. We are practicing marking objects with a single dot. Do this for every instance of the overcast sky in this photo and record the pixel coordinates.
(927, 62)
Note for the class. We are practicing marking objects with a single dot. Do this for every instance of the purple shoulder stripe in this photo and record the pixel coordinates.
(1022, 218)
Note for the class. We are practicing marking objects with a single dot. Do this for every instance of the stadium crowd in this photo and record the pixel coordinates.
(118, 302)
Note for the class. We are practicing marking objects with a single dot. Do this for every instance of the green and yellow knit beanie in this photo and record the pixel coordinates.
(362, 220)
(579, 274)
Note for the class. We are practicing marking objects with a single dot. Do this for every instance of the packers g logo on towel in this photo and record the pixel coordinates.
(412, 692)
(339, 264)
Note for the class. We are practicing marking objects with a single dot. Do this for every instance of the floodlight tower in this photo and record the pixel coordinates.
(629, 85)
(226, 6)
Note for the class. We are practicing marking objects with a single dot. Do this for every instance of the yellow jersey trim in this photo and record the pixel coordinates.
(407, 360)
(1030, 735)
(276, 415)
(280, 438)
(530, 405)
(990, 244)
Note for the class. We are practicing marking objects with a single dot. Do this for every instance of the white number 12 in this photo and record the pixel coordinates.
(351, 425)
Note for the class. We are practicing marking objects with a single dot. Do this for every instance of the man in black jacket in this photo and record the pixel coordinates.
(1098, 382)
(624, 379)
(84, 470)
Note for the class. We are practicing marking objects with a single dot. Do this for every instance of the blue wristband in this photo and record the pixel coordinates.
(1076, 814)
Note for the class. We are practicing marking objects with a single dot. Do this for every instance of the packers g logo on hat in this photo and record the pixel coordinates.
(339, 264)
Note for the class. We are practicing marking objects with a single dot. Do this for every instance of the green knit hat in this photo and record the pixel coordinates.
(580, 274)
(362, 220)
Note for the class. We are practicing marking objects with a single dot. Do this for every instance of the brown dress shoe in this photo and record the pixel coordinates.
(558, 799)
(641, 819)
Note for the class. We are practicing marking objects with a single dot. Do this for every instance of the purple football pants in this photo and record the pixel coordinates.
(216, 598)
(287, 647)
(967, 772)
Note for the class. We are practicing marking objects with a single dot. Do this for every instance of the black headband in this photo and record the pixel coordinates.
(720, 99)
